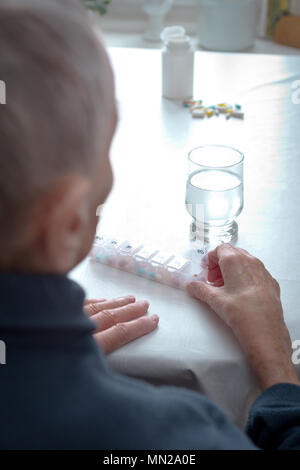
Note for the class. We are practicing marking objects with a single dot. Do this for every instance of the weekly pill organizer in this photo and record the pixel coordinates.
(151, 263)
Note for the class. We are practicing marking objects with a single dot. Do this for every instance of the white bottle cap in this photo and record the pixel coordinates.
(174, 38)
(172, 31)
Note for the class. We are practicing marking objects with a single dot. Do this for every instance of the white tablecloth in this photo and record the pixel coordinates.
(192, 347)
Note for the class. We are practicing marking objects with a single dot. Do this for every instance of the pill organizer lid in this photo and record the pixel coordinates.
(146, 253)
(111, 243)
(162, 257)
(99, 240)
(178, 263)
(129, 248)
(126, 246)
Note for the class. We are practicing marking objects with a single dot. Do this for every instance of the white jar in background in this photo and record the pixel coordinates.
(227, 25)
(177, 64)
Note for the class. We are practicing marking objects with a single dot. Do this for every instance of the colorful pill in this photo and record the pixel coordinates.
(142, 271)
(196, 106)
(189, 102)
(238, 114)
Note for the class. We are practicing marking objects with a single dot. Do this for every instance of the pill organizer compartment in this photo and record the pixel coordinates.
(177, 270)
(108, 253)
(125, 255)
(158, 265)
(97, 248)
(141, 261)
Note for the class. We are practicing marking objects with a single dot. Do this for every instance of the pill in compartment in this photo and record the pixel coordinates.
(158, 266)
(109, 252)
(97, 247)
(125, 255)
(141, 259)
(177, 270)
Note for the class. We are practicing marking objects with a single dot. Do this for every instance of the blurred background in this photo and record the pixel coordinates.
(265, 26)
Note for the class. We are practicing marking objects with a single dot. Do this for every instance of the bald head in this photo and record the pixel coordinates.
(59, 95)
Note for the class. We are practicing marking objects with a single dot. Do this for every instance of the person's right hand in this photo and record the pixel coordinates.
(245, 295)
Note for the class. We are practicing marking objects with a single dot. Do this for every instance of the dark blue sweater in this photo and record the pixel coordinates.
(57, 391)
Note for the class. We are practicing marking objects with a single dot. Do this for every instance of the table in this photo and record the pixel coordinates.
(192, 347)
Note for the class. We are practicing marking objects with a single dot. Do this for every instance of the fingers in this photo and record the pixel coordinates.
(225, 263)
(222, 252)
(276, 285)
(94, 308)
(227, 253)
(210, 262)
(214, 262)
(218, 282)
(119, 321)
(202, 291)
(92, 301)
(110, 317)
(124, 333)
(211, 259)
(245, 252)
(214, 275)
(230, 267)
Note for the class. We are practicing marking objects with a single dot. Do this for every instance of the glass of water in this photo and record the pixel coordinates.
(215, 192)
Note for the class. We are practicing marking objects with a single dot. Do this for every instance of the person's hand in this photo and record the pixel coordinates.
(119, 321)
(245, 295)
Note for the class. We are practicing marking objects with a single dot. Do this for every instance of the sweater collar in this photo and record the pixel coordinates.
(41, 301)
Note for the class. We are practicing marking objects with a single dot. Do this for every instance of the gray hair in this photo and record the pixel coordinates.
(56, 100)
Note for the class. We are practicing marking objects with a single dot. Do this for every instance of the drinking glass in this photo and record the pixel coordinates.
(215, 192)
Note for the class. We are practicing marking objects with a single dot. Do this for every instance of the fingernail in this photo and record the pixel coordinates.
(130, 297)
(155, 318)
(144, 302)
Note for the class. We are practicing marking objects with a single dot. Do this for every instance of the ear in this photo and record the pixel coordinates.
(63, 222)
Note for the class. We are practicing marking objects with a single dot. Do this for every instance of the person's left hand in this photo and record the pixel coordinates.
(119, 321)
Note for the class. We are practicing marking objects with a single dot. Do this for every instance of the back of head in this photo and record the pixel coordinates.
(55, 72)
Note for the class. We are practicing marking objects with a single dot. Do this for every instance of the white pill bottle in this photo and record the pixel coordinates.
(177, 64)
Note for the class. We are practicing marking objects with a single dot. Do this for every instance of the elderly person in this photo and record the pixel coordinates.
(57, 391)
